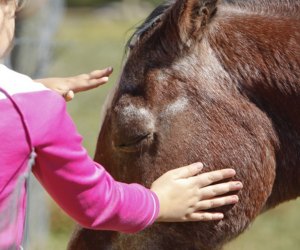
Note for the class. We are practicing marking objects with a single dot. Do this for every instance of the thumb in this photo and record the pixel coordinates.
(188, 171)
(69, 96)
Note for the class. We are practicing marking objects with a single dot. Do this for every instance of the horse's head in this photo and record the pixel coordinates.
(154, 122)
(183, 97)
(174, 102)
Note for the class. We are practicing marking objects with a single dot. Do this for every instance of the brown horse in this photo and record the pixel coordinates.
(211, 81)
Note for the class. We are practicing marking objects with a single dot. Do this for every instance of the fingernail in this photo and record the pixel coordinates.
(233, 172)
(199, 165)
(110, 69)
(219, 216)
(235, 198)
(238, 184)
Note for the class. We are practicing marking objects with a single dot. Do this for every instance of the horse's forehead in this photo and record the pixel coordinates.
(196, 62)
(132, 111)
(172, 108)
(203, 71)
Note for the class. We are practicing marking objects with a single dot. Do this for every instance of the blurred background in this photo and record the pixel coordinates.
(64, 38)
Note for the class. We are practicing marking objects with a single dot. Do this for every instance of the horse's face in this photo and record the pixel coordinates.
(150, 123)
(155, 121)
(197, 86)
(175, 104)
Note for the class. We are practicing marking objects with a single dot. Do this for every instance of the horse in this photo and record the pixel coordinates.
(210, 81)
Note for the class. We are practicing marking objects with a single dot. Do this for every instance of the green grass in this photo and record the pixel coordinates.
(278, 229)
(86, 42)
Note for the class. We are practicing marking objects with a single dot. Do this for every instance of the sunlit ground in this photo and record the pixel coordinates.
(85, 42)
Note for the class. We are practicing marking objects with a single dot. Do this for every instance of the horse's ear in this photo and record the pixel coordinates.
(191, 17)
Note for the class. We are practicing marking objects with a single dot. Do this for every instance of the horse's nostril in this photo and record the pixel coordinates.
(135, 143)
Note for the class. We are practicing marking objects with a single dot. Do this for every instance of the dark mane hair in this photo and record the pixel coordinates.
(149, 23)
(273, 7)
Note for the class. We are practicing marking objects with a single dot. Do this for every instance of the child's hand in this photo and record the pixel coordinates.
(184, 194)
(67, 86)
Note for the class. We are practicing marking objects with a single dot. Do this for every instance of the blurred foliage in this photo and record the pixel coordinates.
(95, 3)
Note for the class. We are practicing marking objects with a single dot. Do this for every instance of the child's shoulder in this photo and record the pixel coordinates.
(16, 83)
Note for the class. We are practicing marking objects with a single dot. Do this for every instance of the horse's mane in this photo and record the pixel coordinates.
(272, 7)
(149, 22)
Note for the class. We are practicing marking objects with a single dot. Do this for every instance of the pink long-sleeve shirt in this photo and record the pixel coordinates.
(79, 185)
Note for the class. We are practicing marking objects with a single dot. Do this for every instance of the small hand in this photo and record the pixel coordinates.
(67, 86)
(184, 195)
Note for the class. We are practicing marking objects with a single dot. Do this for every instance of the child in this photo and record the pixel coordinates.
(36, 131)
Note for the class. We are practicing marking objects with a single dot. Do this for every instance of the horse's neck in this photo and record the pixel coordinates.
(263, 58)
(260, 52)
(279, 99)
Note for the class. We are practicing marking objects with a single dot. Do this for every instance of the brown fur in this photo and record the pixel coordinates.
(238, 65)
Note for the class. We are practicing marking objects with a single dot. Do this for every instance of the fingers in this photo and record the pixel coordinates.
(204, 216)
(99, 77)
(219, 189)
(187, 171)
(101, 73)
(217, 202)
(209, 204)
(89, 81)
(208, 178)
(199, 215)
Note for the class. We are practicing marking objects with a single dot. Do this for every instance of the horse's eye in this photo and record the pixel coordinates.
(135, 143)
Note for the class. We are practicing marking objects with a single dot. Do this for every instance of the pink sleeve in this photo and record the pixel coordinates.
(79, 185)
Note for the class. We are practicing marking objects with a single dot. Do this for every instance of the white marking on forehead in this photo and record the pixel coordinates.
(161, 76)
(142, 114)
(178, 106)
(132, 110)
(206, 72)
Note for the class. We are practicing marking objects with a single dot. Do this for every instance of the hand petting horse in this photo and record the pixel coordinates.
(210, 81)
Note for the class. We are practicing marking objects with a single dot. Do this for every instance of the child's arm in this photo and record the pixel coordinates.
(67, 86)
